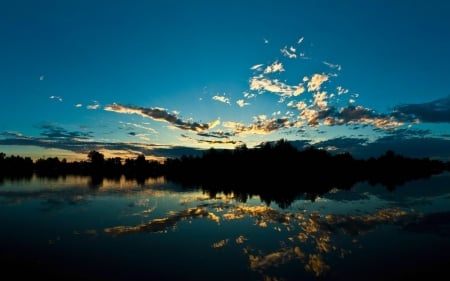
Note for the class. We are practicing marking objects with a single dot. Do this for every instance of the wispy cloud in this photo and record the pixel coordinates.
(242, 103)
(41, 78)
(287, 52)
(338, 67)
(223, 99)
(56, 98)
(160, 114)
(129, 125)
(341, 90)
(93, 106)
(257, 67)
(249, 95)
(78, 105)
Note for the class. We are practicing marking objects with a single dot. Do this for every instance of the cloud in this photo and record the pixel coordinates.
(411, 143)
(61, 139)
(217, 134)
(341, 90)
(257, 67)
(316, 82)
(160, 114)
(287, 52)
(221, 99)
(56, 98)
(41, 78)
(94, 106)
(300, 40)
(437, 111)
(348, 115)
(249, 95)
(78, 105)
(139, 126)
(242, 103)
(338, 67)
(261, 125)
(56, 132)
(261, 84)
(274, 67)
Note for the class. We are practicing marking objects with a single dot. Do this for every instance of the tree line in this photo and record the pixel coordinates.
(271, 170)
(95, 164)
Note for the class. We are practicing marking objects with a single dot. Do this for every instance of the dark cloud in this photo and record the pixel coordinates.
(55, 132)
(437, 111)
(218, 134)
(159, 114)
(226, 141)
(407, 145)
(408, 132)
(80, 145)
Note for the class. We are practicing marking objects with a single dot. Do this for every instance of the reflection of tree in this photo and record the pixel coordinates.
(280, 173)
(277, 172)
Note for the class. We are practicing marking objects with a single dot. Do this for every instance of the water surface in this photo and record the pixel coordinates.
(72, 228)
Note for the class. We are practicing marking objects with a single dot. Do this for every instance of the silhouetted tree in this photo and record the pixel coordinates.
(97, 161)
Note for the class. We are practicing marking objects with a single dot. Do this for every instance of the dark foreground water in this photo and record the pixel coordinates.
(120, 230)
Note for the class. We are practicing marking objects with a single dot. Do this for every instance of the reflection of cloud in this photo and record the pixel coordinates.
(220, 244)
(160, 114)
(316, 229)
(317, 265)
(241, 239)
(263, 262)
(163, 224)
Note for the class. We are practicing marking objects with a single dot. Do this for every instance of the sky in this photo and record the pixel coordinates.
(171, 78)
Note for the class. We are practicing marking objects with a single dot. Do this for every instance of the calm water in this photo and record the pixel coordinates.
(122, 230)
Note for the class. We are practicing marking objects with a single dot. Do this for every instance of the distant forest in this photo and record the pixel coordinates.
(271, 169)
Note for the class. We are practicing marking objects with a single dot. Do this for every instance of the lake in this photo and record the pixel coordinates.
(74, 229)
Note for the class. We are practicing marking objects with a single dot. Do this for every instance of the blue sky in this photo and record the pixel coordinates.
(165, 78)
